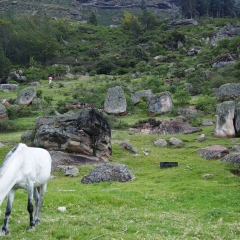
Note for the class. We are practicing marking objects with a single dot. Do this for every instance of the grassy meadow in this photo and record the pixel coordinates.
(174, 203)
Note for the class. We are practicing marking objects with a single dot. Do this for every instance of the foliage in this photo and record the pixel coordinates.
(182, 96)
(207, 104)
(93, 19)
(131, 23)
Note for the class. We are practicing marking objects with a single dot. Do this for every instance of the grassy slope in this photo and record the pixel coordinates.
(176, 203)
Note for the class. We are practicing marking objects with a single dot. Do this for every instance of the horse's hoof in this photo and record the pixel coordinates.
(3, 233)
(32, 228)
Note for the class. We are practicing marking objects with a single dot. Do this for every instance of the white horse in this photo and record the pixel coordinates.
(28, 168)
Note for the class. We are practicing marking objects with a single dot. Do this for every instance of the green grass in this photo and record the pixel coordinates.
(175, 203)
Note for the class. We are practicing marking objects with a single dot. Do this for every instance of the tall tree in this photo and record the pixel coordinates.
(93, 19)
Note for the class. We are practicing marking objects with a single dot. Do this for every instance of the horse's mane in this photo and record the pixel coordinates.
(10, 153)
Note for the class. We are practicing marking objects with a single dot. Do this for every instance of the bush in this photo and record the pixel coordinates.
(182, 96)
(206, 104)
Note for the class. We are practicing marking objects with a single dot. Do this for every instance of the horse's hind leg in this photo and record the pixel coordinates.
(38, 195)
(10, 200)
(30, 207)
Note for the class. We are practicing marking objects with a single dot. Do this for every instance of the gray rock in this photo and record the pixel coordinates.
(229, 31)
(108, 173)
(72, 159)
(160, 103)
(26, 96)
(136, 97)
(207, 122)
(224, 124)
(187, 112)
(228, 91)
(85, 132)
(212, 152)
(223, 61)
(26, 136)
(8, 87)
(201, 138)
(233, 158)
(237, 120)
(128, 146)
(70, 171)
(160, 143)
(115, 101)
(236, 148)
(17, 76)
(175, 141)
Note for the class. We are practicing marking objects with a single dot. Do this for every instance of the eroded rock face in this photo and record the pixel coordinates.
(160, 103)
(86, 132)
(212, 152)
(224, 124)
(108, 173)
(26, 96)
(229, 31)
(228, 91)
(115, 101)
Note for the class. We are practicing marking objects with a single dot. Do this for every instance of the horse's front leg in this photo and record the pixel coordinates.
(30, 207)
(10, 200)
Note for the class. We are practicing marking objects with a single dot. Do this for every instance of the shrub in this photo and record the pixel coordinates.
(182, 96)
(207, 104)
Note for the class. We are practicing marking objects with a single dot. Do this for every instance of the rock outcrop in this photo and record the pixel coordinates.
(115, 101)
(85, 132)
(228, 91)
(3, 112)
(26, 96)
(224, 126)
(229, 31)
(160, 103)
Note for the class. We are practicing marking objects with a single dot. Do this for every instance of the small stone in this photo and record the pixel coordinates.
(62, 209)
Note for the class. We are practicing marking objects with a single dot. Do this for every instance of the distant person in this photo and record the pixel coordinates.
(50, 79)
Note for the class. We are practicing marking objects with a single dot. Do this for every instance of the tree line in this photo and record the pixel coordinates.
(208, 8)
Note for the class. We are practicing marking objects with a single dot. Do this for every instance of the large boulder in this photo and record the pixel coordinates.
(74, 159)
(233, 158)
(237, 120)
(187, 112)
(107, 172)
(3, 112)
(160, 103)
(212, 152)
(223, 61)
(137, 96)
(85, 132)
(8, 87)
(26, 96)
(229, 31)
(115, 101)
(224, 124)
(228, 91)
(17, 76)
